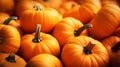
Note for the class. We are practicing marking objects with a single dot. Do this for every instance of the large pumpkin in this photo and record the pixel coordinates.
(7, 6)
(9, 39)
(38, 43)
(112, 44)
(44, 60)
(117, 32)
(11, 60)
(84, 51)
(68, 28)
(47, 17)
(105, 22)
(85, 12)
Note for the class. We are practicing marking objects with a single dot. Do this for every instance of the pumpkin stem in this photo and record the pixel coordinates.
(89, 47)
(37, 7)
(11, 58)
(116, 47)
(37, 38)
(80, 30)
(1, 39)
(7, 21)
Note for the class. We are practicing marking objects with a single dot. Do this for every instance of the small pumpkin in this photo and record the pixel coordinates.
(3, 16)
(26, 5)
(105, 22)
(11, 21)
(38, 43)
(84, 51)
(9, 39)
(47, 18)
(7, 6)
(44, 60)
(68, 28)
(112, 44)
(85, 12)
(51, 3)
(11, 60)
(68, 5)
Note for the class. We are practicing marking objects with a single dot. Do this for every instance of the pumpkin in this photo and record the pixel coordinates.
(112, 45)
(105, 22)
(51, 3)
(68, 28)
(38, 43)
(47, 17)
(7, 6)
(84, 51)
(9, 39)
(85, 12)
(44, 60)
(68, 5)
(11, 21)
(25, 5)
(11, 60)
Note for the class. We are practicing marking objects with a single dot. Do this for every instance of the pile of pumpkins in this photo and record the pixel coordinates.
(59, 33)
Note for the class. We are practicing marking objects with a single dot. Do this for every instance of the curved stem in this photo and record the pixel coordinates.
(89, 47)
(80, 30)
(37, 7)
(116, 47)
(11, 58)
(37, 38)
(1, 39)
(6, 22)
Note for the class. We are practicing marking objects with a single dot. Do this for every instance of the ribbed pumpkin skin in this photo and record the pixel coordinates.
(3, 17)
(11, 39)
(64, 30)
(20, 62)
(47, 17)
(114, 56)
(74, 56)
(105, 22)
(44, 60)
(85, 12)
(48, 45)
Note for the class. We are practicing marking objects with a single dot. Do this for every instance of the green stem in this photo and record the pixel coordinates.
(1, 39)
(11, 58)
(6, 22)
(89, 48)
(116, 47)
(80, 30)
(37, 38)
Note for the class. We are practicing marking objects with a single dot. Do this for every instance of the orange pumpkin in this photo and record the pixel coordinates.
(112, 44)
(51, 3)
(11, 60)
(44, 60)
(3, 16)
(47, 17)
(85, 12)
(84, 51)
(9, 39)
(7, 6)
(38, 43)
(105, 22)
(68, 5)
(68, 28)
(25, 5)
